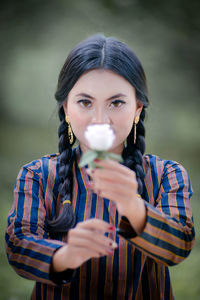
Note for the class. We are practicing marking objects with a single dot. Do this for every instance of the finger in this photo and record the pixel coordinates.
(82, 237)
(96, 224)
(89, 253)
(113, 165)
(125, 190)
(91, 241)
(79, 255)
(112, 195)
(89, 246)
(113, 177)
(115, 194)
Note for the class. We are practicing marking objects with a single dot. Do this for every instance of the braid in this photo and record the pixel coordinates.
(66, 219)
(133, 153)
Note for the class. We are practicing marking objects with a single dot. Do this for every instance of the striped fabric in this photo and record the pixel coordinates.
(138, 269)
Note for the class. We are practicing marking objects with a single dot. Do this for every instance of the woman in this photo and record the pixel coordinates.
(112, 232)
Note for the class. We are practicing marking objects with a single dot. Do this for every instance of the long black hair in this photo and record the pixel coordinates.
(97, 52)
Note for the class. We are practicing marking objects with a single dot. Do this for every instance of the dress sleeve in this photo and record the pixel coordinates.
(29, 248)
(168, 236)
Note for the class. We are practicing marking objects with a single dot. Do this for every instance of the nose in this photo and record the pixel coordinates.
(100, 117)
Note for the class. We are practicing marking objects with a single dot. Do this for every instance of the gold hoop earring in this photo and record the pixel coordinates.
(70, 132)
(137, 118)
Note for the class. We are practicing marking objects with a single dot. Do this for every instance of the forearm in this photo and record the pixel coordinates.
(136, 213)
(163, 239)
(30, 256)
(60, 260)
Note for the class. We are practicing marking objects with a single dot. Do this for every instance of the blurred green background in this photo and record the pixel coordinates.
(36, 37)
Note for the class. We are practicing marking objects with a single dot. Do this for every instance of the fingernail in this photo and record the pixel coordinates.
(89, 184)
(96, 160)
(88, 171)
(114, 245)
(111, 228)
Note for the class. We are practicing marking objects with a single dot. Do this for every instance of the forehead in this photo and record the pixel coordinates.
(102, 81)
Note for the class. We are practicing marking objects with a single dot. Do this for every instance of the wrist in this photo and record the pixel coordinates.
(59, 260)
(136, 214)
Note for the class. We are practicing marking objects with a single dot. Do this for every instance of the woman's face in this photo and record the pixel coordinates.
(102, 97)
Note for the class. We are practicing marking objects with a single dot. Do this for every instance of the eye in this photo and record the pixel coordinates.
(117, 103)
(85, 102)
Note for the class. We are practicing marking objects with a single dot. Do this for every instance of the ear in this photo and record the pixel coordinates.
(65, 107)
(138, 108)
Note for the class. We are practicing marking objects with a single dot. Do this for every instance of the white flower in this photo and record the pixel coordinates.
(100, 137)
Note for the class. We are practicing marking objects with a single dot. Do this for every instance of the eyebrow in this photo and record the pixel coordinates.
(112, 97)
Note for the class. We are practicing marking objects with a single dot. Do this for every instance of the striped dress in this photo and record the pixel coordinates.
(138, 268)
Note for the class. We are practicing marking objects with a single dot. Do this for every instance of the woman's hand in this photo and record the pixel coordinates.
(119, 184)
(85, 241)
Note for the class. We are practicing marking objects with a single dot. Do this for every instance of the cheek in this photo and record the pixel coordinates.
(74, 115)
(123, 125)
(78, 123)
(75, 118)
(125, 120)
